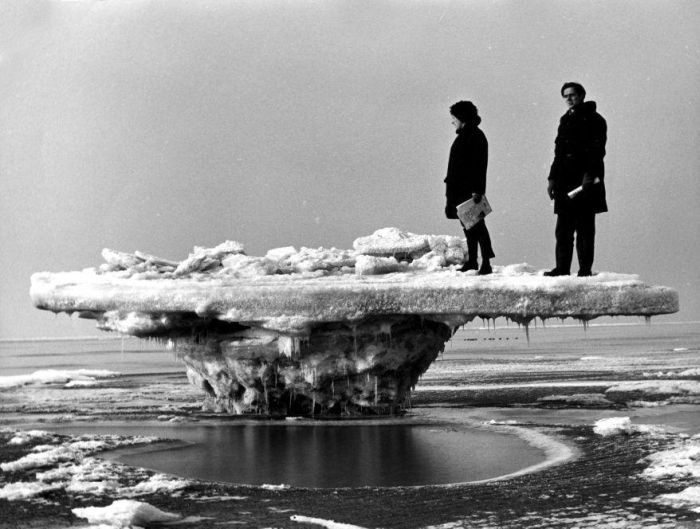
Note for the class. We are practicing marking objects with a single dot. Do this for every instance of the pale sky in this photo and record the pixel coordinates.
(161, 125)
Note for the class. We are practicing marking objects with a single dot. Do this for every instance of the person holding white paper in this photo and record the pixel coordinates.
(576, 180)
(466, 179)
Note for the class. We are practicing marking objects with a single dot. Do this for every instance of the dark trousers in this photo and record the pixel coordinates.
(478, 236)
(583, 225)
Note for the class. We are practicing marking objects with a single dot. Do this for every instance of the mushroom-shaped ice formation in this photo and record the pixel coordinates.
(324, 331)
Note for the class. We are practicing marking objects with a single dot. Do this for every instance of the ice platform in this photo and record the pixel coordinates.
(324, 331)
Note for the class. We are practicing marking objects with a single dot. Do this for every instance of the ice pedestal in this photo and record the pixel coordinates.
(324, 331)
(337, 369)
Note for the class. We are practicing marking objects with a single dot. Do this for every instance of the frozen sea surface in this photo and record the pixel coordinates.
(128, 356)
(557, 385)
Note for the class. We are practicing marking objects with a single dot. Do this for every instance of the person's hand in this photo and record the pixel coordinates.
(550, 189)
(587, 181)
(476, 197)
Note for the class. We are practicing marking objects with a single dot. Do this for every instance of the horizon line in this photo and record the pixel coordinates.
(490, 328)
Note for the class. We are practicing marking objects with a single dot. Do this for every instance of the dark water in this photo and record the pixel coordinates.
(326, 455)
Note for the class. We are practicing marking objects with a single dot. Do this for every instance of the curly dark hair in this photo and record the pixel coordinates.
(465, 111)
(580, 90)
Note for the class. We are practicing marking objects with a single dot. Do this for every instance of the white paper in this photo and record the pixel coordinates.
(574, 192)
(470, 213)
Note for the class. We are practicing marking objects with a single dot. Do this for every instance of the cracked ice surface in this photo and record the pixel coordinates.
(324, 330)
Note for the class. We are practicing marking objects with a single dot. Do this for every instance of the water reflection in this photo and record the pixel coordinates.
(333, 456)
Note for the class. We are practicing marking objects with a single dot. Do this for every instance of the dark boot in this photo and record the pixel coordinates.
(554, 272)
(469, 265)
(485, 268)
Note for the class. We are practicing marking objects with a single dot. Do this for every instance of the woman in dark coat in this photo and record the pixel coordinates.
(466, 178)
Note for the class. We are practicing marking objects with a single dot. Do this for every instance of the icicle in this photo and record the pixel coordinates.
(376, 397)
(313, 404)
(647, 320)
(527, 331)
(333, 388)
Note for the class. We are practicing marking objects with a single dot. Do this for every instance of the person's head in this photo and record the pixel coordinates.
(573, 94)
(464, 114)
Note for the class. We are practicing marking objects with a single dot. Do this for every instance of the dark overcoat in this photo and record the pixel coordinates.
(579, 150)
(466, 168)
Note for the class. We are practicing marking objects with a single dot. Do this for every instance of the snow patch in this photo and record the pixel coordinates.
(688, 498)
(54, 376)
(123, 514)
(45, 458)
(653, 390)
(22, 438)
(156, 483)
(81, 384)
(622, 426)
(680, 462)
(370, 265)
(328, 524)
(268, 486)
(392, 241)
(67, 466)
(22, 490)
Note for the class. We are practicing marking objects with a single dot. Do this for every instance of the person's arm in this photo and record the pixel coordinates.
(480, 165)
(595, 151)
(554, 169)
(454, 168)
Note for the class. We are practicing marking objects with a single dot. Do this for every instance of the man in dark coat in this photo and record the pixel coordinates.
(466, 178)
(576, 180)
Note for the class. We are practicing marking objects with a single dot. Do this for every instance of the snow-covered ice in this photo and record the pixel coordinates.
(680, 462)
(22, 490)
(324, 331)
(122, 514)
(623, 426)
(688, 498)
(55, 376)
(328, 524)
(399, 273)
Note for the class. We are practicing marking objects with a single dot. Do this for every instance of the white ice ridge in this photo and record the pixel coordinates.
(388, 273)
(71, 378)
